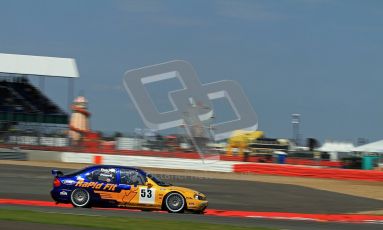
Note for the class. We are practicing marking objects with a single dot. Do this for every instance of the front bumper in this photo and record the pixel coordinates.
(197, 205)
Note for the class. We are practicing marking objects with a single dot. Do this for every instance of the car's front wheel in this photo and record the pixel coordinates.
(80, 198)
(175, 202)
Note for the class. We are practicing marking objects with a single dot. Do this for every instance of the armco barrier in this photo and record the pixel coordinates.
(6, 154)
(301, 171)
(143, 161)
(37, 155)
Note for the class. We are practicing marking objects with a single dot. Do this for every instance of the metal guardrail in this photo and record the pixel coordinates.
(13, 155)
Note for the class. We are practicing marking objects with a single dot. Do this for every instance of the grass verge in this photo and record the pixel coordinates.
(102, 222)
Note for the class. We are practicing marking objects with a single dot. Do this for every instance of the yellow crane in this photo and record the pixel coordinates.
(240, 139)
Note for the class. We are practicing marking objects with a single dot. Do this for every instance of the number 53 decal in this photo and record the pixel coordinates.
(147, 195)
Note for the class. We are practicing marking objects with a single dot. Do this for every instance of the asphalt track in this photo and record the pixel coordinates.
(25, 182)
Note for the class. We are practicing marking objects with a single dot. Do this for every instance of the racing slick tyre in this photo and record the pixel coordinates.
(80, 198)
(175, 203)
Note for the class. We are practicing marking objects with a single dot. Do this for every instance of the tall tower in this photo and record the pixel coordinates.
(79, 121)
(295, 121)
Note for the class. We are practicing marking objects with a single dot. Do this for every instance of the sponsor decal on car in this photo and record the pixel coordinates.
(124, 196)
(63, 193)
(68, 182)
(96, 185)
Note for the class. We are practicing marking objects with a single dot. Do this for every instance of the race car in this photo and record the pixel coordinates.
(120, 186)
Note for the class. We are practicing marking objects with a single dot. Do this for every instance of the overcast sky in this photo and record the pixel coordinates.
(320, 58)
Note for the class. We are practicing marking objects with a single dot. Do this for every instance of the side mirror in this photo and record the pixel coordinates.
(149, 185)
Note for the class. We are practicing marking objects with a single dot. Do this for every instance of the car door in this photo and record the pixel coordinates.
(139, 194)
(102, 181)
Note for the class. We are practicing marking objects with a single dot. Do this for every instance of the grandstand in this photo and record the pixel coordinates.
(24, 108)
(20, 101)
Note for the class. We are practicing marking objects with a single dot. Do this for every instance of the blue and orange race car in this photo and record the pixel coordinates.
(108, 185)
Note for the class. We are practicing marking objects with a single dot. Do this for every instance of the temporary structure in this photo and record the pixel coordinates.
(374, 147)
(337, 150)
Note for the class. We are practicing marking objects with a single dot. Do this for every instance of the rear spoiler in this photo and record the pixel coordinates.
(56, 172)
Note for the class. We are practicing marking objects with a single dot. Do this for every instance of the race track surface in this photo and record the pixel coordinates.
(26, 182)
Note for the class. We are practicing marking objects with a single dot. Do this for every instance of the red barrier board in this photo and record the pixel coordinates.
(301, 171)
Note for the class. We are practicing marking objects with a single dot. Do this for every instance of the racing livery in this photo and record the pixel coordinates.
(107, 185)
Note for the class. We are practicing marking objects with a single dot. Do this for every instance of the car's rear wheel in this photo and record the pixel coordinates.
(175, 202)
(80, 198)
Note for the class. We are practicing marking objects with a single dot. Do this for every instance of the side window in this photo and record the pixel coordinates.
(89, 175)
(103, 175)
(129, 176)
